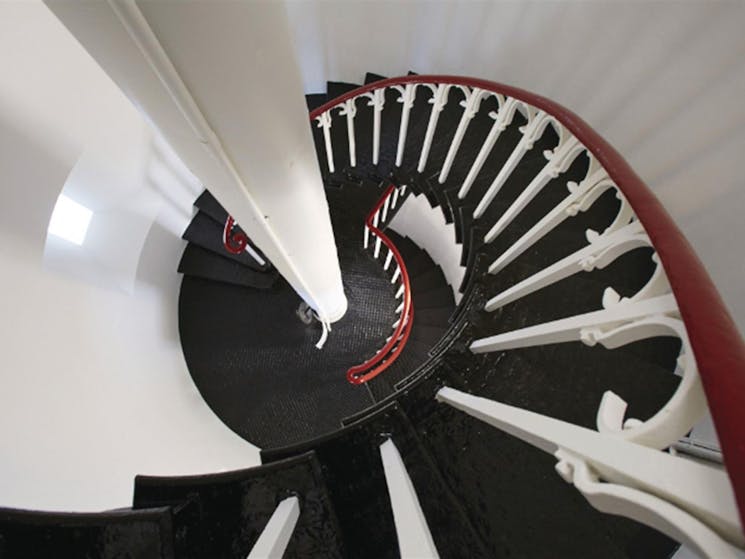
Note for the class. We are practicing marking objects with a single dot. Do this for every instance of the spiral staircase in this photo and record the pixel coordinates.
(586, 341)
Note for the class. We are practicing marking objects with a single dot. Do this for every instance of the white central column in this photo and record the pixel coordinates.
(220, 81)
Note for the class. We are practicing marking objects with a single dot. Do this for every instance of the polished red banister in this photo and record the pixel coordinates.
(406, 320)
(716, 342)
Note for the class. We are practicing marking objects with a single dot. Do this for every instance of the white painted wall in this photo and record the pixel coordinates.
(93, 385)
(664, 82)
(427, 228)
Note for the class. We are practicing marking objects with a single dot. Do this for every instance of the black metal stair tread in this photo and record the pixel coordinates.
(426, 333)
(438, 297)
(234, 507)
(206, 233)
(315, 100)
(427, 281)
(359, 492)
(371, 78)
(336, 89)
(353, 472)
(202, 263)
(536, 510)
(437, 316)
(26, 534)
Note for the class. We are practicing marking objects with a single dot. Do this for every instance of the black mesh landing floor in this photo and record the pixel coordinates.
(255, 363)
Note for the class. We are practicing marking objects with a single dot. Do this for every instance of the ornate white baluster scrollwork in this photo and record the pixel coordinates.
(684, 499)
(679, 414)
(324, 121)
(349, 109)
(597, 254)
(559, 160)
(438, 101)
(502, 119)
(471, 105)
(532, 131)
(408, 95)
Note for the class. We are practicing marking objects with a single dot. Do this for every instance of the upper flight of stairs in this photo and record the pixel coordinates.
(481, 492)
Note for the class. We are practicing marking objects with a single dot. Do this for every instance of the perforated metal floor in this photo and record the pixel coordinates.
(254, 361)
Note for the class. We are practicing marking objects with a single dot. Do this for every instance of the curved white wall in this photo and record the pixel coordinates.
(93, 384)
(664, 82)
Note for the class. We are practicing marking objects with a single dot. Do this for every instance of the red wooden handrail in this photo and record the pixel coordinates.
(375, 365)
(717, 345)
(234, 243)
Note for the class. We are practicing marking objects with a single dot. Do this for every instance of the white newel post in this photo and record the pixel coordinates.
(221, 83)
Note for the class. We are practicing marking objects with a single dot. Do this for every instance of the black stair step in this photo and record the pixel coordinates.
(202, 263)
(337, 89)
(360, 495)
(208, 204)
(537, 510)
(426, 334)
(353, 473)
(371, 78)
(438, 297)
(315, 100)
(207, 233)
(26, 534)
(234, 507)
(438, 316)
(427, 281)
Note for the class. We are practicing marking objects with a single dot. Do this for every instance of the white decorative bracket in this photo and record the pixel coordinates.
(686, 500)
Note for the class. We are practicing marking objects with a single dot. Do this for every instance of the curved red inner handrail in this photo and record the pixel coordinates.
(376, 365)
(234, 243)
(717, 345)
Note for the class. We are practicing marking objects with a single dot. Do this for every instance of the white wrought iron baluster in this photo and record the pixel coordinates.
(559, 161)
(385, 208)
(597, 254)
(471, 105)
(578, 327)
(408, 95)
(366, 240)
(438, 101)
(581, 197)
(396, 274)
(388, 260)
(277, 533)
(395, 199)
(377, 101)
(324, 121)
(349, 109)
(400, 291)
(414, 537)
(376, 220)
(688, 501)
(399, 308)
(532, 131)
(502, 119)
